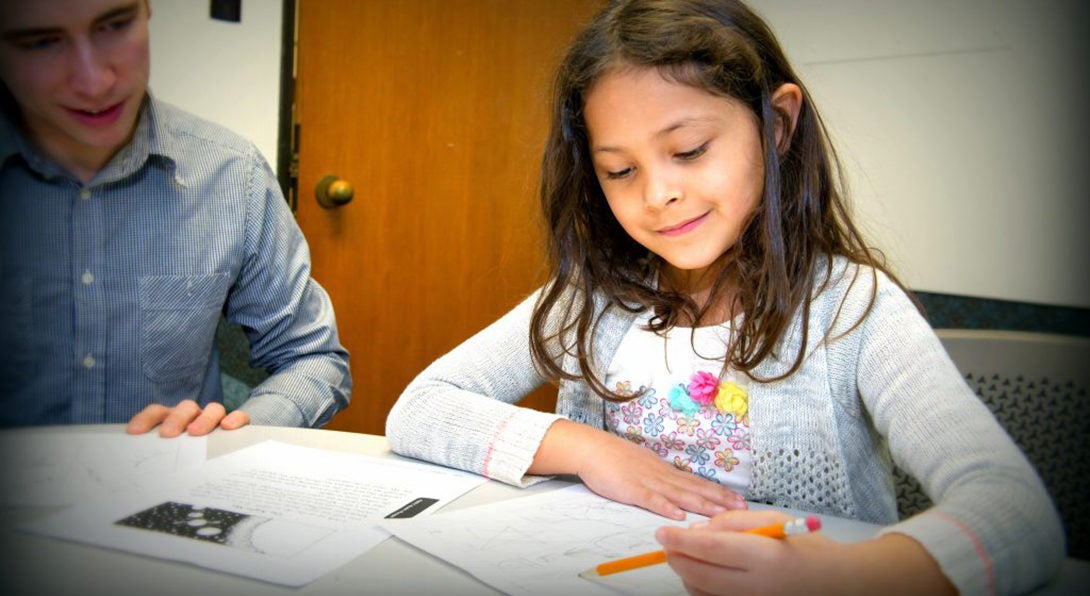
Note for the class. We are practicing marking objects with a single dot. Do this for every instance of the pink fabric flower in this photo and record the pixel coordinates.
(703, 387)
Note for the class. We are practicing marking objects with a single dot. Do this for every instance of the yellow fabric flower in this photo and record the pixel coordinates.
(732, 398)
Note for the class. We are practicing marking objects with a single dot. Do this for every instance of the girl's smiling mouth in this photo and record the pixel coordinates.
(683, 227)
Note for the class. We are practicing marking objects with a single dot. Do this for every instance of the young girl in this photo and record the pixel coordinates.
(719, 330)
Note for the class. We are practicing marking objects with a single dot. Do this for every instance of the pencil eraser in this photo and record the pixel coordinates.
(813, 523)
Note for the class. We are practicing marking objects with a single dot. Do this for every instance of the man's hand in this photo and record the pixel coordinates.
(187, 417)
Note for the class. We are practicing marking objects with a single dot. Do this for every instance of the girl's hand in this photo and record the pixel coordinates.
(720, 558)
(628, 473)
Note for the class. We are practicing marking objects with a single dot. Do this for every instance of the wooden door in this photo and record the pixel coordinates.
(435, 112)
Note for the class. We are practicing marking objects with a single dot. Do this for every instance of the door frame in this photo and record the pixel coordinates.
(287, 166)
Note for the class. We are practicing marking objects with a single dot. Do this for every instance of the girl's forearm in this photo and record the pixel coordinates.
(897, 564)
(564, 444)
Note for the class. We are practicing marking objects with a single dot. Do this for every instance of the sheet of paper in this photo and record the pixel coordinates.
(274, 512)
(541, 543)
(50, 469)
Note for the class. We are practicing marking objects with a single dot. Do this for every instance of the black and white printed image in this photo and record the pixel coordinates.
(230, 528)
(199, 523)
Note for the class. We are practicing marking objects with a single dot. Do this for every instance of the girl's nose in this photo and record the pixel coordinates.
(661, 190)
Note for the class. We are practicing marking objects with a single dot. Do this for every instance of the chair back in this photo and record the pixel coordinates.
(1036, 385)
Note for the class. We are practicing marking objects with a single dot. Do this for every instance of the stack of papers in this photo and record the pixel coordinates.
(288, 515)
(273, 512)
(541, 543)
(50, 469)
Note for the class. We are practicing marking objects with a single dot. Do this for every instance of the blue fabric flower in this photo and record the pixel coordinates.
(680, 400)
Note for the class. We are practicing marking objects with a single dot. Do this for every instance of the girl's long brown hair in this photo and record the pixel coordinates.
(722, 47)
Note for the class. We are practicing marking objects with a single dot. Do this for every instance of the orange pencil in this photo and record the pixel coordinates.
(800, 525)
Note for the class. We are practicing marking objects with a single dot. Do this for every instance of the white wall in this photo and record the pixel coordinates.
(962, 126)
(960, 123)
(226, 72)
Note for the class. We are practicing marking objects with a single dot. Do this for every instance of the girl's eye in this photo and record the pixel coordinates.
(614, 175)
(691, 155)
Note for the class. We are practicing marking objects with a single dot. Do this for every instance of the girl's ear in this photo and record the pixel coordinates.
(787, 102)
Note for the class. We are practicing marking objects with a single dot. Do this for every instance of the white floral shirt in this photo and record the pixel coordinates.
(684, 408)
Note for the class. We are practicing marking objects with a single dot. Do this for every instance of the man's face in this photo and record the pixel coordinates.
(78, 71)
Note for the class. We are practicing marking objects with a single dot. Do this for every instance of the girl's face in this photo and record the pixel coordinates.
(681, 169)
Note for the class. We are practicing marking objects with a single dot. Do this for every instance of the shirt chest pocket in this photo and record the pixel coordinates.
(178, 319)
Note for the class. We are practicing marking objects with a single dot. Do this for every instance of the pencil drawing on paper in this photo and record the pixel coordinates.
(544, 534)
(540, 544)
(50, 469)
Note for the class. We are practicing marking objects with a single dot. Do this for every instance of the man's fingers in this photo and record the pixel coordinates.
(236, 419)
(147, 419)
(207, 421)
(180, 417)
(186, 417)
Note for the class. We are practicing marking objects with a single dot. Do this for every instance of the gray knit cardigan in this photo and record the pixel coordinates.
(823, 439)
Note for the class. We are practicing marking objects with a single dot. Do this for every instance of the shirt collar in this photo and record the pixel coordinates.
(151, 141)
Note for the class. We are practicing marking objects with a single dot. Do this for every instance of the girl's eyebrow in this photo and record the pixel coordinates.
(17, 34)
(666, 130)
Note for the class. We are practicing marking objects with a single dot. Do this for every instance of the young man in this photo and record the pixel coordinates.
(128, 229)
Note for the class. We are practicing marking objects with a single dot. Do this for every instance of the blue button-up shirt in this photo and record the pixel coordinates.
(111, 291)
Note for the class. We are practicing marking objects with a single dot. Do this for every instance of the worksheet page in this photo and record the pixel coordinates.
(51, 469)
(540, 544)
(274, 512)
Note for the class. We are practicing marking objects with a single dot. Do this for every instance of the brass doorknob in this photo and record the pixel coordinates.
(333, 192)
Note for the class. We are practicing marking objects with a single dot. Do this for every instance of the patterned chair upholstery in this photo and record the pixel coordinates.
(1036, 385)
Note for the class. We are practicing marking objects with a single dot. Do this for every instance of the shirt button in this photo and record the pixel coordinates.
(88, 361)
(87, 278)
(85, 193)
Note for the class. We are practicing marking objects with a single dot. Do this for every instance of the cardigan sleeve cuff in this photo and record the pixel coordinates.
(957, 550)
(514, 446)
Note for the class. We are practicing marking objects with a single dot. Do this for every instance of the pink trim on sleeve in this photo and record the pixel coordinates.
(976, 544)
(492, 445)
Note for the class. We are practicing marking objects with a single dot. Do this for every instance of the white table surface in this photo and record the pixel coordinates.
(45, 566)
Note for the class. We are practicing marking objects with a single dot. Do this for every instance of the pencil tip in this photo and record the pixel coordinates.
(589, 574)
